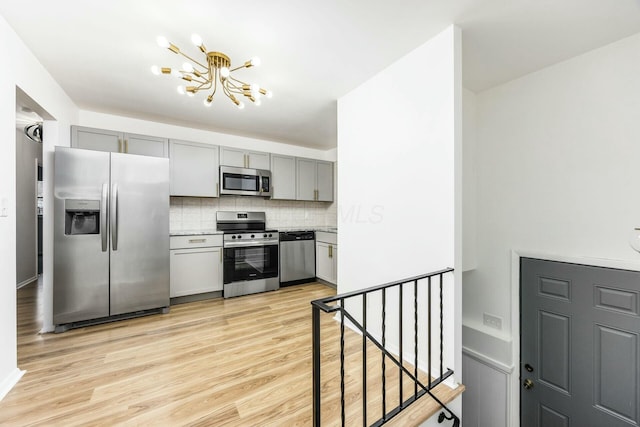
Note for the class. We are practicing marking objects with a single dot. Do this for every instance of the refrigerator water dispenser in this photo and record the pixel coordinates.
(81, 217)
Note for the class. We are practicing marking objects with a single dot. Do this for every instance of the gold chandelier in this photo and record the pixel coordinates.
(216, 71)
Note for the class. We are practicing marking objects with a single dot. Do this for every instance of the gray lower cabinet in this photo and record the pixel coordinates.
(283, 177)
(195, 264)
(327, 257)
(314, 180)
(244, 158)
(194, 169)
(118, 142)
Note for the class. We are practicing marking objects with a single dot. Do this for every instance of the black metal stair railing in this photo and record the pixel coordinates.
(342, 303)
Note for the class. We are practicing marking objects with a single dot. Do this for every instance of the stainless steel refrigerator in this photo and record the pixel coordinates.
(111, 235)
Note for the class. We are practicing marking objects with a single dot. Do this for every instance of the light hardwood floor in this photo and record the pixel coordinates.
(238, 362)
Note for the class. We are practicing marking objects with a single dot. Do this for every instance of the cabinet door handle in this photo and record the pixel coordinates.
(330, 251)
(197, 240)
(119, 145)
(220, 256)
(126, 146)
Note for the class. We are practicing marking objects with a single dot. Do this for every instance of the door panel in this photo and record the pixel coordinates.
(554, 341)
(140, 264)
(616, 376)
(81, 268)
(551, 418)
(579, 345)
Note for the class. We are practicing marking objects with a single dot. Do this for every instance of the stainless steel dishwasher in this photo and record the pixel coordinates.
(297, 257)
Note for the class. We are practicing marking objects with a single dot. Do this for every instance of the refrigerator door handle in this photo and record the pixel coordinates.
(104, 214)
(114, 217)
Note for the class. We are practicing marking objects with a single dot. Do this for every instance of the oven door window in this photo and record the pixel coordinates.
(239, 182)
(250, 263)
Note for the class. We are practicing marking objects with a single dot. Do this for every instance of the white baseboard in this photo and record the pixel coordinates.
(26, 282)
(11, 380)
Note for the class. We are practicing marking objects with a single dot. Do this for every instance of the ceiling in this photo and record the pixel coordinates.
(312, 52)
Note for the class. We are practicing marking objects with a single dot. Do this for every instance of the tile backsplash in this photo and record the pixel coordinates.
(194, 213)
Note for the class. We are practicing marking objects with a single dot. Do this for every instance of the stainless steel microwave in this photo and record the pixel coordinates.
(245, 182)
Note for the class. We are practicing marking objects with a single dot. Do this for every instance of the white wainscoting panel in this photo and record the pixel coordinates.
(485, 400)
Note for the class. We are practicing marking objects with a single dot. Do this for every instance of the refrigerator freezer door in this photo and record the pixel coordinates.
(140, 221)
(81, 268)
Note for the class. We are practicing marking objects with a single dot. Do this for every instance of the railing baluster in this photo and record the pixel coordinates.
(342, 362)
(429, 331)
(420, 387)
(364, 361)
(384, 357)
(441, 327)
(316, 365)
(415, 337)
(400, 341)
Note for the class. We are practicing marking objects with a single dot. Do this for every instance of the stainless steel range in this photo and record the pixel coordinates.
(250, 253)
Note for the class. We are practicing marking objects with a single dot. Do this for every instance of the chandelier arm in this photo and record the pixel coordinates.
(233, 88)
(236, 69)
(236, 80)
(204, 67)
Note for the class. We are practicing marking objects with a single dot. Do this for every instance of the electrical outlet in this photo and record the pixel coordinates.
(4, 207)
(492, 321)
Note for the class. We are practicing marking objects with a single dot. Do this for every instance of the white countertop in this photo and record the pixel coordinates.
(211, 231)
(193, 232)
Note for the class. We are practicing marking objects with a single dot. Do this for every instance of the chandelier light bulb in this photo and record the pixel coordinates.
(181, 90)
(176, 73)
(240, 105)
(255, 61)
(196, 40)
(255, 89)
(187, 67)
(257, 102)
(155, 70)
(269, 94)
(163, 42)
(191, 94)
(224, 72)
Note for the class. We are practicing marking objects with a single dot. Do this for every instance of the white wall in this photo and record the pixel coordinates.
(557, 167)
(399, 161)
(28, 74)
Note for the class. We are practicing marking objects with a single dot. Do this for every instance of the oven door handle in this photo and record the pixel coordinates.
(237, 244)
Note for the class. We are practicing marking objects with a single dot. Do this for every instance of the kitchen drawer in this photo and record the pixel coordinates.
(195, 241)
(323, 236)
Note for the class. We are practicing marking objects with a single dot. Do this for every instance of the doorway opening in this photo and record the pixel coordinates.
(30, 175)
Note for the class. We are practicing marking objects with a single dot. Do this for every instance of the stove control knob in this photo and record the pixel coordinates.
(264, 235)
(239, 236)
(233, 237)
(270, 235)
(253, 236)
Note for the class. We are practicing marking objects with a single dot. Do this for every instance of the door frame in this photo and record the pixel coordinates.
(516, 254)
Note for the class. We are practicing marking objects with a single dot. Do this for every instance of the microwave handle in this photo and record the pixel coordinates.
(262, 189)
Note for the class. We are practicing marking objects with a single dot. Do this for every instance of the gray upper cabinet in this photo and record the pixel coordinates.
(324, 181)
(314, 180)
(118, 142)
(96, 139)
(306, 179)
(244, 158)
(194, 169)
(283, 177)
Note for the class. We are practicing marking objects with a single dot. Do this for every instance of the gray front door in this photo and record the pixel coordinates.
(579, 363)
